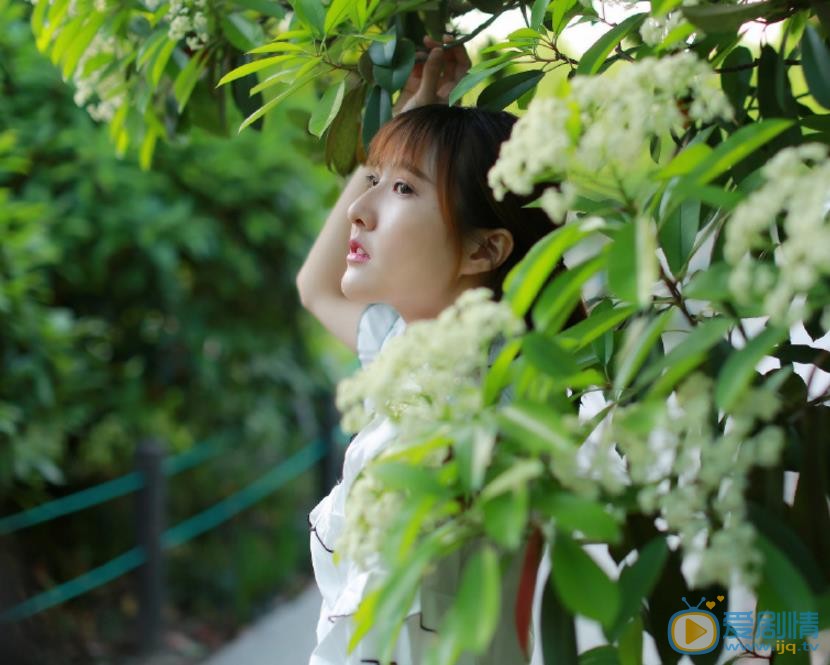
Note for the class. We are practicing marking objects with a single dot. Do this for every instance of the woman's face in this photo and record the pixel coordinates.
(413, 264)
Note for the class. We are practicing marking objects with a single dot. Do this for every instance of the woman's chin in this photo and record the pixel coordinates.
(354, 290)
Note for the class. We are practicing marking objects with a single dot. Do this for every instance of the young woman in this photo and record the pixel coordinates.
(415, 227)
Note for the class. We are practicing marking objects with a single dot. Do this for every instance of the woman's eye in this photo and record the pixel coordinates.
(405, 189)
(372, 180)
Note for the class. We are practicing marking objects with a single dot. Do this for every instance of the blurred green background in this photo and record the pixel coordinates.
(160, 304)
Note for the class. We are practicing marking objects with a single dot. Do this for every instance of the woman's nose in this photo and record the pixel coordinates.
(360, 212)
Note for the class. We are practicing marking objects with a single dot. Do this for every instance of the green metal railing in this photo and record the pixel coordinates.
(149, 479)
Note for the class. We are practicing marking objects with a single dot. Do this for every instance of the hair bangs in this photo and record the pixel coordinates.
(402, 143)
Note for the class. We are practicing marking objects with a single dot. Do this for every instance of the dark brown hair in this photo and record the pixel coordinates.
(465, 142)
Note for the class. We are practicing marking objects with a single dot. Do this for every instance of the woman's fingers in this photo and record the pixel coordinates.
(431, 75)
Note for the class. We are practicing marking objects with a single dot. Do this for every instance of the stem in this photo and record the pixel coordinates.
(750, 65)
(676, 297)
(478, 29)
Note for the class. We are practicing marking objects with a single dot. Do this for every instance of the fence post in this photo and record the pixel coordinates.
(150, 526)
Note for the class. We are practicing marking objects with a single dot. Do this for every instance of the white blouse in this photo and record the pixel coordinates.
(343, 585)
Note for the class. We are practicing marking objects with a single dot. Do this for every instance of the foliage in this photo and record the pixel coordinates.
(160, 304)
(686, 177)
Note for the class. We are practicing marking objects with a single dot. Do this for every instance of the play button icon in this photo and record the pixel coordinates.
(693, 631)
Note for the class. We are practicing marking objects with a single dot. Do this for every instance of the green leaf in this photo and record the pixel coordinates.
(67, 35)
(475, 75)
(160, 62)
(782, 586)
(604, 654)
(518, 475)
(557, 628)
(558, 299)
(684, 357)
(312, 14)
(81, 43)
(475, 612)
(382, 52)
(576, 513)
(187, 78)
(151, 46)
(632, 262)
(816, 63)
(344, 133)
(640, 338)
(286, 73)
(596, 325)
(739, 370)
(338, 11)
(292, 88)
(631, 642)
(508, 89)
(498, 376)
(266, 7)
(775, 98)
(537, 13)
(595, 56)
(715, 19)
(637, 580)
(535, 427)
(581, 584)
(563, 11)
(392, 77)
(661, 7)
(685, 161)
(528, 276)
(378, 112)
(251, 67)
(738, 146)
(278, 46)
(711, 284)
(546, 354)
(736, 84)
(241, 32)
(326, 110)
(677, 234)
(505, 517)
(402, 476)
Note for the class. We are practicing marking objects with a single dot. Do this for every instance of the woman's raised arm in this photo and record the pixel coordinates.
(318, 281)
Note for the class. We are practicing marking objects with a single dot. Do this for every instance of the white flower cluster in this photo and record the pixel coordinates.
(603, 123)
(778, 239)
(430, 374)
(104, 83)
(694, 476)
(656, 28)
(432, 371)
(189, 21)
(370, 509)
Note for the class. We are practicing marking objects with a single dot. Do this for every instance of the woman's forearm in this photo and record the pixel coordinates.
(326, 261)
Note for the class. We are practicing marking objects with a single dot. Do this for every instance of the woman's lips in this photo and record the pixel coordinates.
(357, 257)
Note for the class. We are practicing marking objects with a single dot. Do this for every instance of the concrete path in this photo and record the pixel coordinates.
(286, 636)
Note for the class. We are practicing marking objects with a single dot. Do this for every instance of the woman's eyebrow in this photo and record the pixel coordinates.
(418, 173)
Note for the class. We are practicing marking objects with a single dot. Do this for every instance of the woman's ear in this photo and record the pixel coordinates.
(485, 250)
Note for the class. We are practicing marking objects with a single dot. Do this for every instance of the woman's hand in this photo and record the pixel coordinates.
(431, 81)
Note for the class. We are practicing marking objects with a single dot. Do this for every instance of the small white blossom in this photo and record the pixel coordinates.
(694, 476)
(780, 271)
(602, 124)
